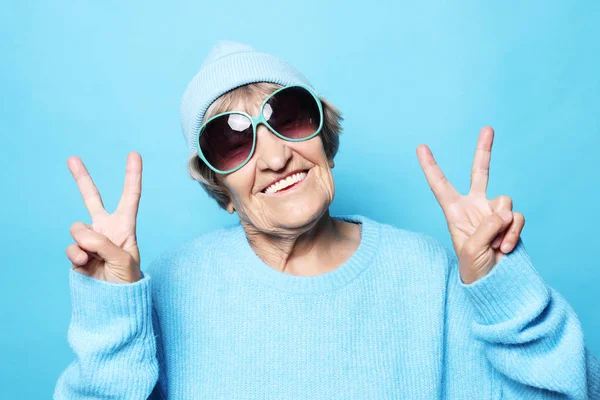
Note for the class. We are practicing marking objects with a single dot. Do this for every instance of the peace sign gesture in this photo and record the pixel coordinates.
(482, 230)
(107, 249)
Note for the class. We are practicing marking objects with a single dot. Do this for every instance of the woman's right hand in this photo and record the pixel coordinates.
(107, 249)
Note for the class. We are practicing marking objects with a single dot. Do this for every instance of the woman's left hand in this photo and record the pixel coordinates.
(482, 230)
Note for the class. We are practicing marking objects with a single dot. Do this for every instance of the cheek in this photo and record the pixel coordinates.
(312, 151)
(240, 183)
(329, 184)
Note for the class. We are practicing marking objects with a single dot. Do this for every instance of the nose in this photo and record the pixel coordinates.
(271, 151)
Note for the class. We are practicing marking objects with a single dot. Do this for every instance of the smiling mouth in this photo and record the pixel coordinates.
(285, 185)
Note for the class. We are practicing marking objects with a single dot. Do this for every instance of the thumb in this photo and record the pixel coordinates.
(487, 231)
(98, 243)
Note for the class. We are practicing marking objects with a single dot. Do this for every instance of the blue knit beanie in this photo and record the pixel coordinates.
(228, 65)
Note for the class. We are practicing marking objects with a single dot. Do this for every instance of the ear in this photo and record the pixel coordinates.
(230, 208)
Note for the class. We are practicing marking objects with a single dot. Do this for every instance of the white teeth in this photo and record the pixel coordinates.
(283, 183)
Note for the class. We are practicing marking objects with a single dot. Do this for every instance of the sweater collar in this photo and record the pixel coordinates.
(249, 262)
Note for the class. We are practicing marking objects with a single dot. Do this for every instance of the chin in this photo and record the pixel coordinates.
(296, 216)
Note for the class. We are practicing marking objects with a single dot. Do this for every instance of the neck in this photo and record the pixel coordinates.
(309, 250)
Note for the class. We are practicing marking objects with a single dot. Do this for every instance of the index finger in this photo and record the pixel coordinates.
(442, 189)
(87, 188)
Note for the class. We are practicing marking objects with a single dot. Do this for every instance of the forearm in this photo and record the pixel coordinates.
(113, 340)
(531, 336)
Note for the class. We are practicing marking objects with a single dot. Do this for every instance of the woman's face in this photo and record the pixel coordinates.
(274, 158)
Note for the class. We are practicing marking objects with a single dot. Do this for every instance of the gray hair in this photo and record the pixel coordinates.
(207, 178)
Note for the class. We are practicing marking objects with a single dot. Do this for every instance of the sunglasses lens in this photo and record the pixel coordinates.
(226, 141)
(293, 113)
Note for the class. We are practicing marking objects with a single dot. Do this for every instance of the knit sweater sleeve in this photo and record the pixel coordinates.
(111, 334)
(529, 333)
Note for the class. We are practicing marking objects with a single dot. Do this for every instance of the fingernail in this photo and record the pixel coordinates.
(505, 247)
(505, 215)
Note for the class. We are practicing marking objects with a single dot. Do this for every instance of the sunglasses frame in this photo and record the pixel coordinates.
(260, 120)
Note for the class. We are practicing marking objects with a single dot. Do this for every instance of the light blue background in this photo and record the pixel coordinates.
(99, 80)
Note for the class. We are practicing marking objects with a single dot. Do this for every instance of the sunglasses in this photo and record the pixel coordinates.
(226, 142)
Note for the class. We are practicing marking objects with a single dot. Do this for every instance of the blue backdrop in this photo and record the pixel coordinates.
(99, 80)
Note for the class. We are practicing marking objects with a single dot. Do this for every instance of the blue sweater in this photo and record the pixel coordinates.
(211, 320)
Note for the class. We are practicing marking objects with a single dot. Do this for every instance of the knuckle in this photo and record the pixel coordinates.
(520, 216)
(468, 249)
(76, 226)
(100, 241)
(510, 237)
(494, 221)
(82, 243)
(72, 248)
(481, 171)
(73, 251)
(506, 200)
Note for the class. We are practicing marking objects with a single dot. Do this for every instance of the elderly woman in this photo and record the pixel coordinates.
(294, 303)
